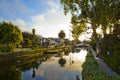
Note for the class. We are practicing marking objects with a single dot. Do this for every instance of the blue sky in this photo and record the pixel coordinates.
(46, 16)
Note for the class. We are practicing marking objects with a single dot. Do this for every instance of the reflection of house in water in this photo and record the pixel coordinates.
(50, 42)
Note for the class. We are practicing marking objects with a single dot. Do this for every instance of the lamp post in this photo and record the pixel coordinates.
(69, 33)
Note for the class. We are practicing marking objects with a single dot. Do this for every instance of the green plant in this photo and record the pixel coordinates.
(91, 70)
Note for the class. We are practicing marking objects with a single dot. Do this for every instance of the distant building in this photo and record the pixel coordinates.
(49, 42)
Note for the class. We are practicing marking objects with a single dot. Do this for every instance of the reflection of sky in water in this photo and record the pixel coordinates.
(51, 69)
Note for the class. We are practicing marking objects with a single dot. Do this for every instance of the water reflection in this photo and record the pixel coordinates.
(77, 77)
(33, 73)
(11, 73)
(62, 61)
(46, 68)
(71, 58)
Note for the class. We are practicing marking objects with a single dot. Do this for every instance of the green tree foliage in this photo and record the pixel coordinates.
(33, 31)
(61, 34)
(27, 39)
(27, 35)
(110, 48)
(94, 12)
(27, 43)
(30, 39)
(67, 41)
(77, 29)
(35, 39)
(10, 35)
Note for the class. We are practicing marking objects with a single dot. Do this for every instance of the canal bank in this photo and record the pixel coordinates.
(93, 71)
(27, 54)
(47, 68)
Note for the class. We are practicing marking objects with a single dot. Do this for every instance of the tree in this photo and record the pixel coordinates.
(27, 43)
(67, 42)
(35, 39)
(30, 39)
(94, 12)
(61, 35)
(77, 29)
(10, 34)
(27, 35)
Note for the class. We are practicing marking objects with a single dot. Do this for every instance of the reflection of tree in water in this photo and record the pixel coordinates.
(15, 74)
(34, 66)
(62, 61)
(67, 52)
(11, 73)
(71, 58)
(14, 70)
(77, 77)
(33, 73)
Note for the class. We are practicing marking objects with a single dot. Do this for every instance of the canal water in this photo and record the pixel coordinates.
(56, 67)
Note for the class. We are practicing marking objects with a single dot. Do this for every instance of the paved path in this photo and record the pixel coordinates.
(103, 66)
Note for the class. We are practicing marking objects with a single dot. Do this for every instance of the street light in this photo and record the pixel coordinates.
(69, 33)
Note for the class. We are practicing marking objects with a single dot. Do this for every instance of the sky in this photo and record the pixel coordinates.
(45, 16)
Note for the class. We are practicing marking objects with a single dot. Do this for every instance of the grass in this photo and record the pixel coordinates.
(91, 70)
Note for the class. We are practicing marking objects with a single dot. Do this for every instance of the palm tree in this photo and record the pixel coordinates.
(33, 41)
(62, 61)
(61, 35)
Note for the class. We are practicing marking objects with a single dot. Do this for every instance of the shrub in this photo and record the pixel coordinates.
(9, 48)
(111, 43)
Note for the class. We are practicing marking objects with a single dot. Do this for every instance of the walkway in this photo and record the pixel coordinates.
(103, 66)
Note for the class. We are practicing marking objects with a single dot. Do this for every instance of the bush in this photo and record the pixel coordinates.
(3, 48)
(111, 43)
(10, 48)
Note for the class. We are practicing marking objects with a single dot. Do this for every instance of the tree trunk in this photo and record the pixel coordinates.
(98, 49)
(94, 26)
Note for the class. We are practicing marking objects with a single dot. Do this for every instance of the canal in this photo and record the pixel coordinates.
(52, 67)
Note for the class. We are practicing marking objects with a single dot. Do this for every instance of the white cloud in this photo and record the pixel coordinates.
(21, 22)
(22, 25)
(52, 4)
(48, 23)
(38, 18)
(51, 21)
